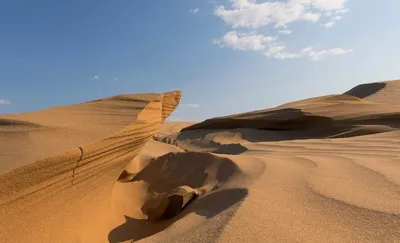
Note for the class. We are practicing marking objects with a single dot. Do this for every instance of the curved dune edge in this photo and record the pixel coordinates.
(373, 109)
(72, 188)
(379, 92)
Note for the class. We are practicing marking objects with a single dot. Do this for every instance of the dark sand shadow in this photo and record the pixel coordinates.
(198, 137)
(285, 119)
(208, 206)
(190, 169)
(232, 149)
(365, 90)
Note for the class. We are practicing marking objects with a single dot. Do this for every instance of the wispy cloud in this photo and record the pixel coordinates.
(5, 102)
(194, 10)
(271, 47)
(115, 79)
(249, 13)
(332, 21)
(316, 54)
(245, 41)
(96, 77)
(329, 24)
(342, 11)
(253, 15)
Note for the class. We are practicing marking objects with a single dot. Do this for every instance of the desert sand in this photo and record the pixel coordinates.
(324, 169)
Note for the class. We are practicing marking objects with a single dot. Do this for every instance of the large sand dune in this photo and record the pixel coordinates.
(329, 170)
(324, 169)
(60, 165)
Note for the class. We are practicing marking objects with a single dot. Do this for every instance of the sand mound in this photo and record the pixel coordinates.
(193, 186)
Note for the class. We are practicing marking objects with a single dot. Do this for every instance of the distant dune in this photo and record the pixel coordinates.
(380, 92)
(324, 169)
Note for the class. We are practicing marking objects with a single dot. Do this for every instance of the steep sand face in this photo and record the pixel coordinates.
(380, 92)
(34, 136)
(59, 165)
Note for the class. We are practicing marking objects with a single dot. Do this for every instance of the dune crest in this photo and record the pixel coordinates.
(379, 92)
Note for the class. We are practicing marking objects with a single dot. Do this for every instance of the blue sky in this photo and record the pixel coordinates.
(226, 56)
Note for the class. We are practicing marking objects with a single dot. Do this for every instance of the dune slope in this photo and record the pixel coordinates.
(59, 165)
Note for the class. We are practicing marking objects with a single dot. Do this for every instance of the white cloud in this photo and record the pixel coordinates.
(115, 79)
(333, 21)
(328, 4)
(306, 49)
(312, 17)
(274, 48)
(328, 24)
(96, 77)
(270, 47)
(5, 102)
(267, 45)
(286, 55)
(251, 14)
(342, 11)
(316, 55)
(285, 32)
(192, 105)
(244, 41)
(337, 18)
(194, 10)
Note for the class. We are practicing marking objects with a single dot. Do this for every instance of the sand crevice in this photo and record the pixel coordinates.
(77, 165)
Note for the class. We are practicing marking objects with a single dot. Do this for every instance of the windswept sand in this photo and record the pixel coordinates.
(325, 169)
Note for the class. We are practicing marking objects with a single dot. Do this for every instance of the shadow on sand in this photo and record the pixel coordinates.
(364, 90)
(207, 206)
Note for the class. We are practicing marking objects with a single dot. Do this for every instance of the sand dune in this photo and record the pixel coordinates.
(59, 165)
(329, 170)
(324, 169)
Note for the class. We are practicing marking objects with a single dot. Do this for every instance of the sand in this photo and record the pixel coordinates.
(324, 169)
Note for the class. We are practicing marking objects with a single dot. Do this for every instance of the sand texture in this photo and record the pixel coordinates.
(324, 169)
